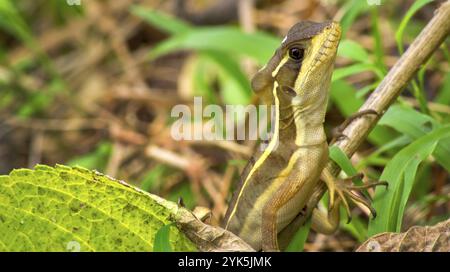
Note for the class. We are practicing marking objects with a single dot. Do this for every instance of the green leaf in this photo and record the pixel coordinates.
(444, 93)
(203, 76)
(408, 121)
(352, 10)
(395, 143)
(184, 192)
(162, 239)
(357, 68)
(410, 13)
(161, 20)
(236, 87)
(153, 177)
(352, 50)
(356, 227)
(341, 89)
(297, 243)
(338, 156)
(72, 208)
(415, 124)
(258, 46)
(400, 173)
(377, 37)
(12, 21)
(366, 89)
(96, 159)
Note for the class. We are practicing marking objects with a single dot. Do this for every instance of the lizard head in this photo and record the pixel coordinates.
(303, 62)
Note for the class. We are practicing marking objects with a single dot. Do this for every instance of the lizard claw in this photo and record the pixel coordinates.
(347, 191)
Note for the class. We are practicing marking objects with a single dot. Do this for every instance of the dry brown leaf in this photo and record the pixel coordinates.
(417, 239)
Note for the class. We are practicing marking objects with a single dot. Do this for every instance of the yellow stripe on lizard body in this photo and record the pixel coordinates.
(272, 144)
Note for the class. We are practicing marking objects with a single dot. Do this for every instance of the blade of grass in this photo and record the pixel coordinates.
(153, 178)
(353, 50)
(353, 69)
(203, 79)
(162, 239)
(357, 228)
(400, 173)
(161, 20)
(351, 104)
(231, 71)
(397, 142)
(444, 93)
(12, 21)
(339, 157)
(403, 24)
(353, 10)
(415, 124)
(376, 34)
(297, 243)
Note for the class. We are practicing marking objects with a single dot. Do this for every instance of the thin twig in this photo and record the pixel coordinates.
(58, 124)
(398, 77)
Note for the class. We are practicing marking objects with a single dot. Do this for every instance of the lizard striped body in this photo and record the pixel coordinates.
(278, 181)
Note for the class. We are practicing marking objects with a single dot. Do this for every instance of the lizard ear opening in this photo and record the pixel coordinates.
(288, 91)
(285, 95)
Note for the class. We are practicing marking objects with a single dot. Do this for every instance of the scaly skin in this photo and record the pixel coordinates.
(278, 182)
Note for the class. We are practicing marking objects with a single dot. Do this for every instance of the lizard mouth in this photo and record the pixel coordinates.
(329, 46)
(321, 57)
(328, 42)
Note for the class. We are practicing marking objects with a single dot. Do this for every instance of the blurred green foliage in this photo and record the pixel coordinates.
(407, 141)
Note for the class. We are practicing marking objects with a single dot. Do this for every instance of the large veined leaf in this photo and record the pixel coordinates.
(74, 209)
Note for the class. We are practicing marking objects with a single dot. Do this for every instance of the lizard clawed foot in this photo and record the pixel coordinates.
(347, 191)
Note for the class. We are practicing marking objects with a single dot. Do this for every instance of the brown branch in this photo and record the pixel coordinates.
(385, 94)
(398, 77)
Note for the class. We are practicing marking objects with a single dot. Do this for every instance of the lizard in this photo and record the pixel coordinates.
(278, 180)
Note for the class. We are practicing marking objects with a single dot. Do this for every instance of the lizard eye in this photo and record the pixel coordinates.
(296, 53)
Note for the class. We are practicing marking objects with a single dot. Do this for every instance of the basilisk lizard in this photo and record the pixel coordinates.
(278, 181)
